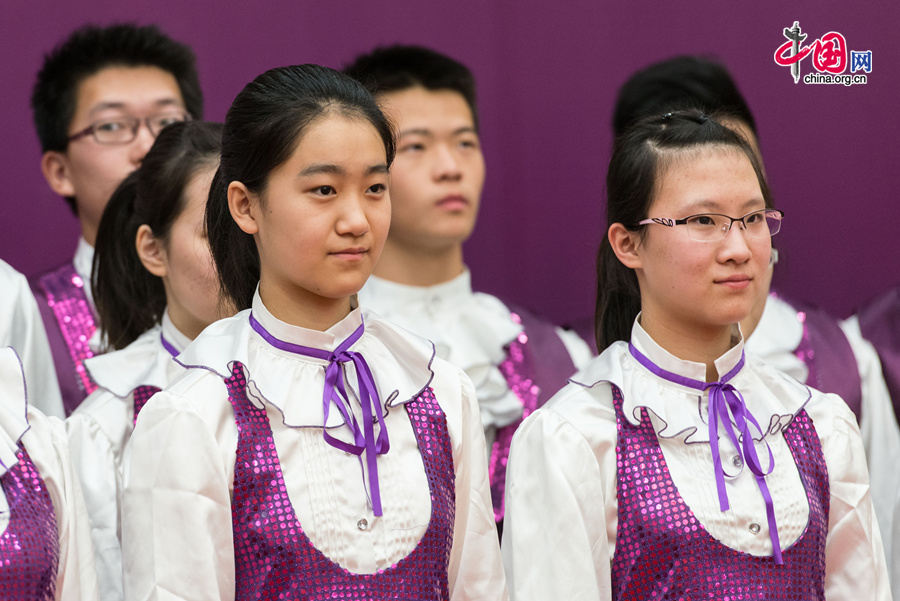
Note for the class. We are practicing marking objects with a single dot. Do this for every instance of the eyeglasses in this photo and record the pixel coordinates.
(713, 227)
(123, 130)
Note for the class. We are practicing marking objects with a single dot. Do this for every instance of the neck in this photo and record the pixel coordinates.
(88, 230)
(690, 343)
(418, 266)
(300, 307)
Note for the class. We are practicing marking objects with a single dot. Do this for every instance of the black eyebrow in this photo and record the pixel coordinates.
(319, 168)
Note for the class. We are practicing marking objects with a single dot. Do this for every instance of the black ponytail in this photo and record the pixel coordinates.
(129, 299)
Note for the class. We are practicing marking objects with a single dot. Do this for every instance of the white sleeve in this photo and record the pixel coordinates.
(579, 351)
(47, 446)
(853, 545)
(556, 527)
(176, 518)
(98, 469)
(22, 328)
(881, 440)
(476, 569)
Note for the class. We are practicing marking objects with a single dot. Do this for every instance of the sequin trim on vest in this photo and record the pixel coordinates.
(141, 395)
(274, 559)
(29, 547)
(64, 290)
(533, 381)
(662, 550)
(516, 369)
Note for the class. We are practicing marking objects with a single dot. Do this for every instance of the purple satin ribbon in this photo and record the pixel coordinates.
(168, 345)
(725, 401)
(335, 392)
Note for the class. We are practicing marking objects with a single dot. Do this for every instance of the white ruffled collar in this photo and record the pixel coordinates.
(144, 362)
(294, 383)
(469, 329)
(13, 407)
(681, 411)
(776, 337)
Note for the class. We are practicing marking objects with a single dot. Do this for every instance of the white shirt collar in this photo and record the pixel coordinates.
(469, 329)
(678, 410)
(13, 407)
(777, 336)
(292, 383)
(144, 362)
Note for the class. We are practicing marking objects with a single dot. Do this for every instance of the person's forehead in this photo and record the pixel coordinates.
(420, 107)
(128, 88)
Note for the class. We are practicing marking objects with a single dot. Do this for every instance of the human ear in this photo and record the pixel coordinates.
(55, 167)
(242, 206)
(625, 243)
(151, 252)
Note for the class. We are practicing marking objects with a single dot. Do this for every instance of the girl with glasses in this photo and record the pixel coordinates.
(311, 450)
(674, 466)
(156, 288)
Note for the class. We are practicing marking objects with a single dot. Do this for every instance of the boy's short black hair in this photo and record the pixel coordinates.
(395, 68)
(682, 82)
(91, 49)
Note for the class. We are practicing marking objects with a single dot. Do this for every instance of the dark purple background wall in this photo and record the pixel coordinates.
(547, 80)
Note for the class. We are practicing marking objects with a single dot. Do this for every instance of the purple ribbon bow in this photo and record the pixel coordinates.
(726, 405)
(335, 393)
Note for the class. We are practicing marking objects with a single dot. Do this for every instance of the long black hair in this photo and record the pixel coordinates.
(129, 299)
(262, 128)
(640, 156)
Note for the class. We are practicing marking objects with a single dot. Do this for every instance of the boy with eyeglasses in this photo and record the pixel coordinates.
(100, 99)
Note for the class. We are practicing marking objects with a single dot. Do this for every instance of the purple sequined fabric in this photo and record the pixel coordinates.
(662, 550)
(65, 294)
(274, 559)
(516, 370)
(29, 547)
(141, 395)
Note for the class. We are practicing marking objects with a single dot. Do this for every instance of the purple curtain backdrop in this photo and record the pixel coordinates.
(547, 80)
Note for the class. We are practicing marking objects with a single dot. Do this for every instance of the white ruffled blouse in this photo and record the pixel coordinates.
(101, 426)
(561, 506)
(44, 439)
(177, 505)
(469, 329)
(775, 339)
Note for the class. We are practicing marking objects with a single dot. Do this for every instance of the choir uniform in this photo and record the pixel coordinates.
(615, 491)
(100, 427)
(45, 540)
(233, 487)
(66, 305)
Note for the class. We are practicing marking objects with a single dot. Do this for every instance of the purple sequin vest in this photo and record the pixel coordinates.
(533, 381)
(274, 559)
(29, 547)
(69, 322)
(879, 322)
(662, 550)
(829, 358)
